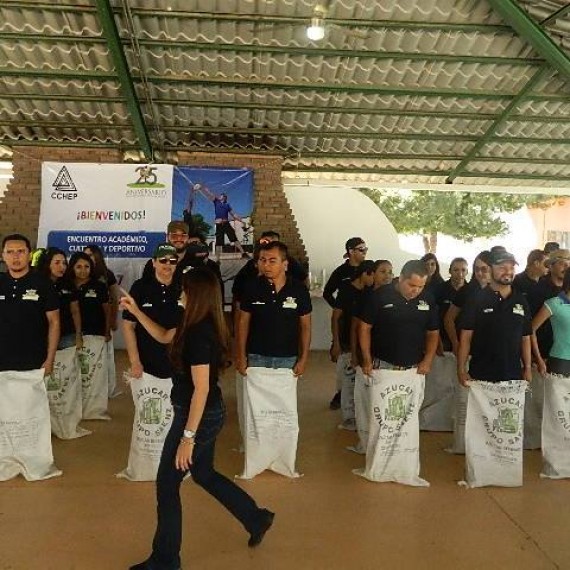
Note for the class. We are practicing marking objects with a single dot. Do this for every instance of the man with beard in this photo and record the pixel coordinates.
(177, 236)
(496, 329)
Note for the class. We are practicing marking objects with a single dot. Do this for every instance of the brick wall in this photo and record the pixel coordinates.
(20, 207)
(271, 210)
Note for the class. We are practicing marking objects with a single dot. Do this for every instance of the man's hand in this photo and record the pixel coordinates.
(299, 368)
(367, 366)
(527, 372)
(334, 352)
(454, 348)
(541, 366)
(424, 367)
(48, 367)
(464, 378)
(78, 341)
(136, 370)
(241, 365)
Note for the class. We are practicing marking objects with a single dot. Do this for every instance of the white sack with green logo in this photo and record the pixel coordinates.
(271, 422)
(152, 419)
(534, 402)
(94, 377)
(25, 431)
(460, 396)
(346, 373)
(240, 410)
(436, 413)
(393, 451)
(112, 371)
(361, 410)
(556, 428)
(494, 434)
(64, 395)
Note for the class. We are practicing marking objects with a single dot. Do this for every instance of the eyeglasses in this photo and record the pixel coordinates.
(166, 260)
(361, 249)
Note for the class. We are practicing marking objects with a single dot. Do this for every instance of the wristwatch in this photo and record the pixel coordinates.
(189, 434)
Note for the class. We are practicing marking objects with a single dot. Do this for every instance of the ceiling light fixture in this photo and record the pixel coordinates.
(316, 31)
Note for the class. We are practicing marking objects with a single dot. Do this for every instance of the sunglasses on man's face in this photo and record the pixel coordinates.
(168, 260)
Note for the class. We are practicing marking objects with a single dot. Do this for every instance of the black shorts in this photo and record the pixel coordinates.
(225, 229)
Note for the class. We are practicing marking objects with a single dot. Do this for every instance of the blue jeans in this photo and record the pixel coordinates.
(168, 535)
(260, 361)
(66, 341)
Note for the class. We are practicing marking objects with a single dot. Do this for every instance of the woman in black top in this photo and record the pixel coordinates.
(198, 352)
(92, 294)
(434, 276)
(53, 265)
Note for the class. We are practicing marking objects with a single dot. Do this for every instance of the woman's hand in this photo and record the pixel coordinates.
(127, 303)
(184, 454)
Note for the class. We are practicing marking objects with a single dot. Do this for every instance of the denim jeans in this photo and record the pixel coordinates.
(260, 361)
(66, 341)
(168, 535)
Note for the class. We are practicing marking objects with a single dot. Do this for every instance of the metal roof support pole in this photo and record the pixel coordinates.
(533, 81)
(530, 31)
(558, 14)
(111, 33)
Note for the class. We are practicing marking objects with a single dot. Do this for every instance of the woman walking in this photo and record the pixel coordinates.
(199, 347)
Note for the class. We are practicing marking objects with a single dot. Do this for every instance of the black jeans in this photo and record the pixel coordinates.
(168, 535)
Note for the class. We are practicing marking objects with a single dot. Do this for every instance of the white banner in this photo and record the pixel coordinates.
(271, 421)
(94, 378)
(393, 452)
(556, 428)
(494, 434)
(25, 432)
(152, 419)
(346, 373)
(436, 413)
(64, 394)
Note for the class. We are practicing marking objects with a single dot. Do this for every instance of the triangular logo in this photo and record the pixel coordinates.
(63, 182)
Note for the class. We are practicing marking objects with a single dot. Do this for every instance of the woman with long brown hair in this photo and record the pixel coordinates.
(198, 351)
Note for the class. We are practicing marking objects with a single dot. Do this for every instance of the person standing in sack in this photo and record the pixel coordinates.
(355, 254)
(198, 351)
(274, 327)
(29, 311)
(557, 309)
(158, 298)
(399, 327)
(496, 329)
(53, 265)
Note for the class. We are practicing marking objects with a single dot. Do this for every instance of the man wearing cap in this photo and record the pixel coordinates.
(157, 297)
(399, 327)
(496, 329)
(222, 213)
(527, 280)
(177, 236)
(549, 286)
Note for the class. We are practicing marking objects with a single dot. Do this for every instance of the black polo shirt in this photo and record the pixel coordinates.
(342, 273)
(274, 325)
(545, 289)
(200, 346)
(92, 296)
(444, 296)
(24, 303)
(399, 326)
(348, 301)
(67, 294)
(524, 284)
(160, 303)
(498, 327)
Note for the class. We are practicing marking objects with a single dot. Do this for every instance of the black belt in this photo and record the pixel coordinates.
(558, 366)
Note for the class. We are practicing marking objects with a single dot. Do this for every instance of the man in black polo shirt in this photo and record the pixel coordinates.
(177, 233)
(157, 297)
(274, 328)
(496, 329)
(399, 326)
(527, 280)
(29, 311)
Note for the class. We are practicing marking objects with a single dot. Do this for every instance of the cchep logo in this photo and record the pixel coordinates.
(147, 184)
(64, 187)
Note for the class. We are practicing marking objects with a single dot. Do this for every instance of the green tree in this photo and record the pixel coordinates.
(462, 215)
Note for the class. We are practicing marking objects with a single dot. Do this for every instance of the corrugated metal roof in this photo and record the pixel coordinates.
(398, 91)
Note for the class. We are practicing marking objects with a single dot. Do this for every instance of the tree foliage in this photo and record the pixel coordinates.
(462, 215)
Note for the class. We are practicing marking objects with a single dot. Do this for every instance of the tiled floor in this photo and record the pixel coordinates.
(329, 519)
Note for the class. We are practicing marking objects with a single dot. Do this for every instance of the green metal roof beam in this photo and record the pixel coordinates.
(556, 15)
(200, 104)
(280, 50)
(111, 33)
(497, 123)
(245, 84)
(531, 32)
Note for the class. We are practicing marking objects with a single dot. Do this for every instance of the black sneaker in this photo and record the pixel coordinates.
(335, 402)
(255, 538)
